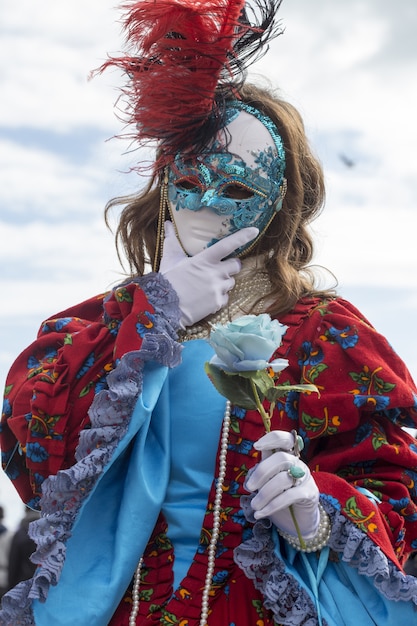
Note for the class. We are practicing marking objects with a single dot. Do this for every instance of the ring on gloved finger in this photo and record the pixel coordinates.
(295, 472)
(298, 443)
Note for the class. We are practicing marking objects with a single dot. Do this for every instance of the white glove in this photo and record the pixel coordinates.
(202, 281)
(277, 490)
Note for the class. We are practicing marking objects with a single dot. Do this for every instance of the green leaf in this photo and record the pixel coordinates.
(246, 374)
(68, 339)
(357, 378)
(261, 378)
(85, 390)
(381, 386)
(312, 423)
(235, 388)
(378, 440)
(280, 390)
(316, 370)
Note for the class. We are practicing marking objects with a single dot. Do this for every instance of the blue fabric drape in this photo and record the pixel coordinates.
(102, 549)
(196, 414)
(342, 596)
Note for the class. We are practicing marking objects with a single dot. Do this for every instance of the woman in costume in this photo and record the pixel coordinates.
(162, 502)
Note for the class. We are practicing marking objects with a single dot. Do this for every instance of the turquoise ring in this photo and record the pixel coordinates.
(296, 472)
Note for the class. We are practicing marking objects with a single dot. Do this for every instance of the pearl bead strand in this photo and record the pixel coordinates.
(320, 539)
(216, 516)
(135, 594)
(247, 291)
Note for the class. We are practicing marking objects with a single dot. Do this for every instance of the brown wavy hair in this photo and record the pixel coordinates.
(287, 245)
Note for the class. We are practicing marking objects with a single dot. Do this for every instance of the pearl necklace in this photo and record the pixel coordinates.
(211, 552)
(247, 295)
(135, 594)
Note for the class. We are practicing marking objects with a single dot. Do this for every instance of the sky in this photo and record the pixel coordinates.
(349, 67)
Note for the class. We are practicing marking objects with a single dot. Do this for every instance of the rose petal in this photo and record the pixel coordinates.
(278, 364)
(248, 343)
(251, 365)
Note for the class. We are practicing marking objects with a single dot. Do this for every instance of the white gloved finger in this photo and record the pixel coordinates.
(172, 251)
(306, 512)
(222, 248)
(273, 501)
(203, 280)
(272, 498)
(277, 463)
(275, 440)
(228, 285)
(221, 301)
(230, 266)
(270, 491)
(169, 229)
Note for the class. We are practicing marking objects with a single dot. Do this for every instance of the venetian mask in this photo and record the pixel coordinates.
(237, 182)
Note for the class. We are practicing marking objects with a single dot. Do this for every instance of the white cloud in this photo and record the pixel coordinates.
(339, 63)
(50, 266)
(50, 48)
(33, 180)
(357, 245)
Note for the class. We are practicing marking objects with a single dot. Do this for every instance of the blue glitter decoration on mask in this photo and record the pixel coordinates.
(223, 182)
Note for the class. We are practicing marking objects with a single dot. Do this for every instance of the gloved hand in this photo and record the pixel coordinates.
(277, 489)
(202, 281)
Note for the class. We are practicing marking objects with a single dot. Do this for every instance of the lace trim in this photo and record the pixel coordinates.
(354, 547)
(290, 604)
(110, 411)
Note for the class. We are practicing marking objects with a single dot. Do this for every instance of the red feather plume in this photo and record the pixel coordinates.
(180, 56)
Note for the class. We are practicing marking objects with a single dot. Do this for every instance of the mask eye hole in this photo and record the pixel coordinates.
(188, 184)
(237, 192)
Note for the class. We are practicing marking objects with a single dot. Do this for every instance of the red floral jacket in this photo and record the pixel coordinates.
(354, 443)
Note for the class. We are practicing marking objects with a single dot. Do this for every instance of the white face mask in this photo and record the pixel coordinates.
(228, 188)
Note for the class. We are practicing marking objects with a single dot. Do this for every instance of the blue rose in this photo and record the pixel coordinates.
(247, 344)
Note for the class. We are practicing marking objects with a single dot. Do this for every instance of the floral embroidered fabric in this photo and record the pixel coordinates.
(351, 430)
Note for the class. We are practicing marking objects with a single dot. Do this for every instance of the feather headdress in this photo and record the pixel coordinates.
(184, 59)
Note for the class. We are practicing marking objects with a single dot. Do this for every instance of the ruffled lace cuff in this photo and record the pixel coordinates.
(284, 596)
(257, 557)
(354, 547)
(110, 413)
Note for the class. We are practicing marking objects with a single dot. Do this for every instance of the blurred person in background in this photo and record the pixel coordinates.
(20, 566)
(5, 540)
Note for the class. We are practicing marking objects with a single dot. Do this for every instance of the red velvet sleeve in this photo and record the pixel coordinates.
(353, 426)
(51, 385)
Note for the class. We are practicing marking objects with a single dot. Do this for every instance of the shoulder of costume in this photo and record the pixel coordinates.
(57, 377)
(90, 309)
